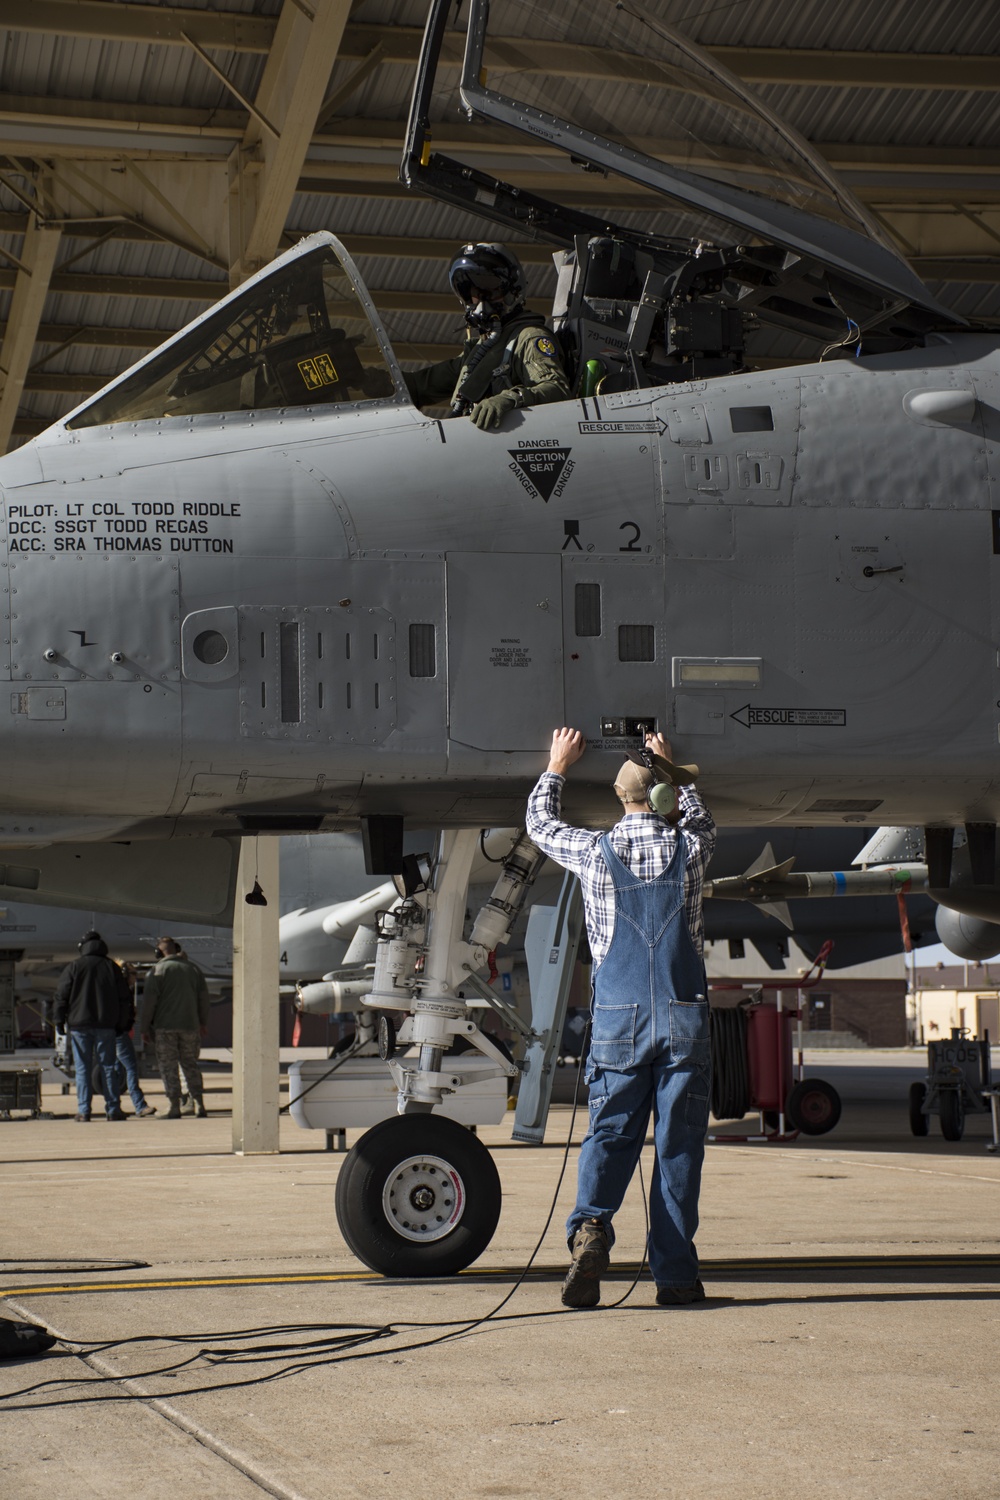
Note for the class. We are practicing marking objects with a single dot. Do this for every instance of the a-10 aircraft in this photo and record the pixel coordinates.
(249, 587)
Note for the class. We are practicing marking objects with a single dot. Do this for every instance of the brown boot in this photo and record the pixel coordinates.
(591, 1258)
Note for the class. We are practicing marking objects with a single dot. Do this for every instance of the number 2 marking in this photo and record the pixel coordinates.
(633, 545)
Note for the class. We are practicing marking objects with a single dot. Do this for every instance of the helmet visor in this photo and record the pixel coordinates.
(478, 286)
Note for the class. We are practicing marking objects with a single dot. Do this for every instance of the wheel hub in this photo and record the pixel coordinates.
(423, 1199)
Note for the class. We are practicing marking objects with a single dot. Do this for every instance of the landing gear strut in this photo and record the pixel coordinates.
(419, 1195)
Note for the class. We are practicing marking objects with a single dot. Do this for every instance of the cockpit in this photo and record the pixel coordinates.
(298, 335)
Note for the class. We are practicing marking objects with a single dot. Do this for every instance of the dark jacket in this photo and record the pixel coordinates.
(93, 991)
(175, 996)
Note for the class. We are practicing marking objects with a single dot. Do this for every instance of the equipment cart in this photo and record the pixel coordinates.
(753, 1069)
(959, 1083)
(20, 1088)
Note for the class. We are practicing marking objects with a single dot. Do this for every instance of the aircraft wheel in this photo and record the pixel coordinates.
(418, 1195)
(919, 1123)
(97, 1079)
(952, 1113)
(813, 1106)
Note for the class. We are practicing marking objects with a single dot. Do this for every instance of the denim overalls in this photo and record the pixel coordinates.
(648, 1049)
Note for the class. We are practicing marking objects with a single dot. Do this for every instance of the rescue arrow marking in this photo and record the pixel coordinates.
(784, 718)
(653, 424)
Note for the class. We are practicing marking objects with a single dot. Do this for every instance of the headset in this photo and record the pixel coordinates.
(662, 798)
(662, 795)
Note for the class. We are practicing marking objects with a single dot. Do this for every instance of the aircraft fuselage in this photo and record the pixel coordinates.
(339, 610)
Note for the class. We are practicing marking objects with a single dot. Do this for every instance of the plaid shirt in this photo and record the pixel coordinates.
(644, 842)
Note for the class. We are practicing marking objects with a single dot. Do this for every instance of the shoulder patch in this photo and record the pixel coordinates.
(546, 346)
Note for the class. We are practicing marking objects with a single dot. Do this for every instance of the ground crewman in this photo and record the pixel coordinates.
(175, 1008)
(642, 894)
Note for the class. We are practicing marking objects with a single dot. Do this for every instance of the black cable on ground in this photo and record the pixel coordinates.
(43, 1265)
(730, 1076)
(346, 1343)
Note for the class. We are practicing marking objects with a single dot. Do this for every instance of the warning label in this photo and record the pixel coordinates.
(540, 468)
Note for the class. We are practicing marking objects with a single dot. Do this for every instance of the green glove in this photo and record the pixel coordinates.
(491, 411)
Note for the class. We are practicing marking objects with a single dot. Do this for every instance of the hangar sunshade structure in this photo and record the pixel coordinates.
(152, 156)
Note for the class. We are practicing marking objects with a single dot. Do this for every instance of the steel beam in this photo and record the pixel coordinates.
(264, 168)
(71, 127)
(822, 68)
(233, 31)
(83, 284)
(229, 31)
(30, 287)
(951, 257)
(165, 287)
(99, 337)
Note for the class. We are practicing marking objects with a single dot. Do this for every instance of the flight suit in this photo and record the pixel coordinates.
(521, 357)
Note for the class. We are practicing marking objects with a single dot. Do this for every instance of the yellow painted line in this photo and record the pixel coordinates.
(721, 1268)
(186, 1281)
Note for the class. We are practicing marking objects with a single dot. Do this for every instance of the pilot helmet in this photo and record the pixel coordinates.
(90, 936)
(489, 282)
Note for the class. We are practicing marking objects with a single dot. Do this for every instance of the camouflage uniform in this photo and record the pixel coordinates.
(175, 1004)
(522, 357)
(183, 1047)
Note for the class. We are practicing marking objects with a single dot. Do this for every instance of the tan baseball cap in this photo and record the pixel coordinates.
(667, 769)
(633, 782)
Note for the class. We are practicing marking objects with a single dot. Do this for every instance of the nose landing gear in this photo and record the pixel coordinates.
(419, 1195)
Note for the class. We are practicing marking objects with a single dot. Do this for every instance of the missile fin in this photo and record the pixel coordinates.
(780, 910)
(765, 868)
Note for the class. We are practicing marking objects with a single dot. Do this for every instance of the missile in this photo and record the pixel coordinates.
(770, 885)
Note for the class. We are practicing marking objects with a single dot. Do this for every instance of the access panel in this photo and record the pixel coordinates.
(504, 647)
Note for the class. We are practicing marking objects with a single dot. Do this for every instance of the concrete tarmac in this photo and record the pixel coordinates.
(848, 1348)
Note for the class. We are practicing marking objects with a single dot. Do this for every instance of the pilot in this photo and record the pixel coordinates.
(642, 894)
(510, 360)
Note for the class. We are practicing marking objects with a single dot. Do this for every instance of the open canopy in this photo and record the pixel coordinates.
(691, 158)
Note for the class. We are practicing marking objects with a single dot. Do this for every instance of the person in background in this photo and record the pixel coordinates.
(175, 1007)
(125, 1053)
(93, 1003)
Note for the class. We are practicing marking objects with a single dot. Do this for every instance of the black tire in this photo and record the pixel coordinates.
(437, 1237)
(919, 1123)
(813, 1106)
(97, 1079)
(952, 1114)
(343, 1044)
